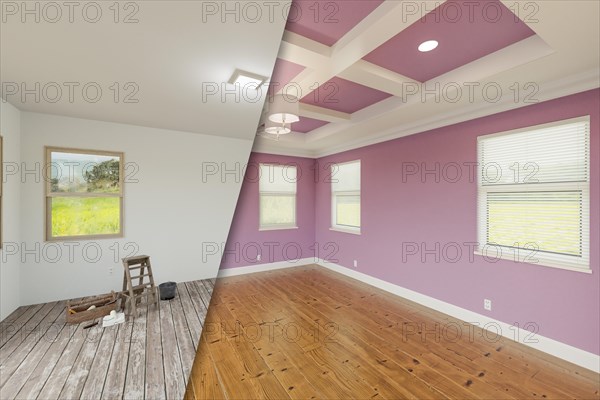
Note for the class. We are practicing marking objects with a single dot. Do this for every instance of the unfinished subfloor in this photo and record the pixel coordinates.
(309, 333)
(150, 357)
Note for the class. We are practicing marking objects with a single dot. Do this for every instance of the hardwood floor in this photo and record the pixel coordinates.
(309, 333)
(150, 357)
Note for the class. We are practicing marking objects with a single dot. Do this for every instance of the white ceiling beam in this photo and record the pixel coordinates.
(462, 78)
(385, 22)
(323, 114)
(301, 50)
(377, 77)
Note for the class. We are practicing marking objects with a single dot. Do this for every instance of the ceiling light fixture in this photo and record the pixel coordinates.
(275, 128)
(284, 109)
(428, 46)
(245, 79)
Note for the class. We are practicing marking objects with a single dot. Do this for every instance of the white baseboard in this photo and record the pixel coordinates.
(566, 352)
(569, 353)
(250, 269)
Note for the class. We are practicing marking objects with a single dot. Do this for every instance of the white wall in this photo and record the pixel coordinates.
(169, 213)
(10, 128)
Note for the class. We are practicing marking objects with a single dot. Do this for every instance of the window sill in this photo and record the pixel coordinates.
(83, 238)
(276, 228)
(540, 262)
(351, 231)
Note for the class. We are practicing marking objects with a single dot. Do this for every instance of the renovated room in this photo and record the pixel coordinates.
(422, 221)
(300, 199)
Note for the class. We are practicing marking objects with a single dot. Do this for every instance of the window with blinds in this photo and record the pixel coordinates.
(533, 192)
(345, 196)
(277, 191)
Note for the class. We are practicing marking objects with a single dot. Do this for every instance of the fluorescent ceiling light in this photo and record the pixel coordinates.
(428, 45)
(246, 79)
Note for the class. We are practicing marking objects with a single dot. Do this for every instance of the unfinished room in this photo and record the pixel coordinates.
(300, 199)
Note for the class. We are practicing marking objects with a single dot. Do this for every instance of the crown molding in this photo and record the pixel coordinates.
(552, 90)
(582, 82)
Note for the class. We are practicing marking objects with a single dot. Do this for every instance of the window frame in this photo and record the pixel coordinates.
(542, 258)
(356, 230)
(261, 194)
(48, 195)
(1, 189)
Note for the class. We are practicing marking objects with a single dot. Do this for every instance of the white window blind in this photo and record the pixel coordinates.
(345, 201)
(277, 191)
(534, 193)
(346, 177)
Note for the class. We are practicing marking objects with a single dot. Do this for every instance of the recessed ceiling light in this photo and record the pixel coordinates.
(428, 46)
(244, 78)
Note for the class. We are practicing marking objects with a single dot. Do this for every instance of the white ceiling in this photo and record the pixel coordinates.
(562, 59)
(169, 54)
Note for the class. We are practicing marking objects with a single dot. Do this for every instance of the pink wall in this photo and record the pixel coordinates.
(564, 304)
(245, 240)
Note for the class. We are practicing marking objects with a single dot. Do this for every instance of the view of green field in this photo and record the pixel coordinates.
(78, 216)
(348, 211)
(87, 175)
(550, 224)
(277, 210)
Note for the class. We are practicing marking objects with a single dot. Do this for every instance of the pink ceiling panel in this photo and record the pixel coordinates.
(283, 73)
(343, 95)
(465, 30)
(327, 21)
(306, 125)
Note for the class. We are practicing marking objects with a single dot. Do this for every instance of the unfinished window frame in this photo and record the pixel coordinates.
(48, 150)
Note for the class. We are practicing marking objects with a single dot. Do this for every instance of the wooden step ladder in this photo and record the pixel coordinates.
(144, 287)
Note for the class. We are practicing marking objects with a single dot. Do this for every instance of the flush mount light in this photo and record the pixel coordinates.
(428, 46)
(246, 79)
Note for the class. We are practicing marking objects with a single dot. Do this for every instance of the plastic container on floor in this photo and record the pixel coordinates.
(167, 290)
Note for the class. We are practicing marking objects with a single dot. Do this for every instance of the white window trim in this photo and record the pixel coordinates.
(275, 227)
(345, 228)
(541, 261)
(559, 261)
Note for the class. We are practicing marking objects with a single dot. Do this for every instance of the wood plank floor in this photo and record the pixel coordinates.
(309, 333)
(151, 356)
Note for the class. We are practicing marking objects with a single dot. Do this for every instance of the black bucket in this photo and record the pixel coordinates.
(167, 290)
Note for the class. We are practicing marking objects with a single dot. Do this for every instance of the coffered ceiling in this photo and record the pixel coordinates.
(360, 78)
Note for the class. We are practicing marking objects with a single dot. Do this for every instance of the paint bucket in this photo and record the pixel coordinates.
(167, 290)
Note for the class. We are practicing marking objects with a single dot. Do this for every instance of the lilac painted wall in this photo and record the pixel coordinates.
(564, 304)
(245, 240)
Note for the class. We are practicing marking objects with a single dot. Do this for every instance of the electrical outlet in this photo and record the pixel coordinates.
(111, 270)
(487, 304)
(355, 264)
(258, 257)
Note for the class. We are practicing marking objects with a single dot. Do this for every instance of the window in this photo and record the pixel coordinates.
(277, 187)
(534, 194)
(345, 197)
(84, 194)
